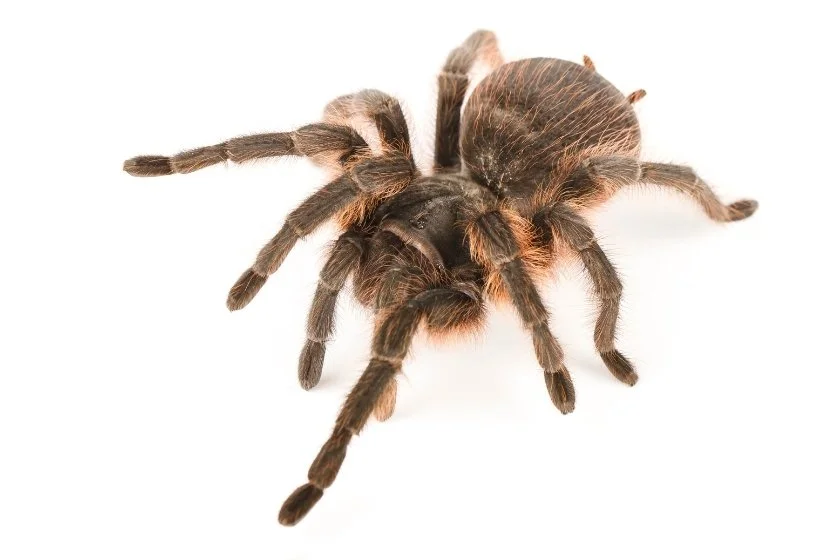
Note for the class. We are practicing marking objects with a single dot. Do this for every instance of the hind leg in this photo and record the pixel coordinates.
(453, 81)
(391, 340)
(601, 177)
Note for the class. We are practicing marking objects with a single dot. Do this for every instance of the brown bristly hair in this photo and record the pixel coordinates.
(538, 143)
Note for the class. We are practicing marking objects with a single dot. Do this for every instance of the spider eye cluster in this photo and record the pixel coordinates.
(419, 222)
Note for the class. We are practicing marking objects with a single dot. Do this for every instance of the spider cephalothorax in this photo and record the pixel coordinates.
(539, 141)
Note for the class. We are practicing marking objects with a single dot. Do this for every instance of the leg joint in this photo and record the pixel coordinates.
(570, 228)
(332, 287)
(494, 240)
(395, 362)
(313, 139)
(383, 174)
(295, 229)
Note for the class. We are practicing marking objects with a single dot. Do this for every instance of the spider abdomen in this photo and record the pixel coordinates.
(533, 118)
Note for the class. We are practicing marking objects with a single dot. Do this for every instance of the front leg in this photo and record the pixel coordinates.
(494, 245)
(343, 261)
(327, 144)
(374, 393)
(378, 177)
(567, 229)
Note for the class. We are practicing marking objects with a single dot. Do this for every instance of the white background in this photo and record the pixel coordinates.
(140, 419)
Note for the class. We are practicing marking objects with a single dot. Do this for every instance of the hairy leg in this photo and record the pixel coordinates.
(604, 175)
(453, 81)
(343, 261)
(325, 143)
(379, 176)
(568, 229)
(391, 341)
(494, 245)
(373, 107)
(334, 143)
(391, 273)
(456, 312)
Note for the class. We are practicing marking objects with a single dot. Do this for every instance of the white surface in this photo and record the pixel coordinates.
(140, 419)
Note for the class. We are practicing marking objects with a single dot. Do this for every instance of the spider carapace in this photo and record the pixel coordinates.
(538, 142)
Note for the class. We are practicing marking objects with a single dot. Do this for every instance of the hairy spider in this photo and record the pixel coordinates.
(539, 141)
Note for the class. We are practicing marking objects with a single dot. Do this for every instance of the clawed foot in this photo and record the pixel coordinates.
(148, 166)
(742, 209)
(311, 363)
(244, 290)
(561, 390)
(620, 367)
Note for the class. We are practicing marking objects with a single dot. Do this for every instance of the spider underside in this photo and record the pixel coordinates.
(539, 141)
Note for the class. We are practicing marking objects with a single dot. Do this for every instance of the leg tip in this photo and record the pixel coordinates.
(620, 367)
(311, 363)
(244, 290)
(561, 390)
(298, 504)
(148, 166)
(742, 209)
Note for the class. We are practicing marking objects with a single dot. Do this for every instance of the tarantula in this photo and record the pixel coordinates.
(538, 141)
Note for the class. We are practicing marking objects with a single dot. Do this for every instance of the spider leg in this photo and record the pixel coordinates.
(323, 142)
(571, 230)
(390, 274)
(390, 284)
(343, 261)
(391, 340)
(494, 245)
(373, 107)
(453, 81)
(450, 314)
(604, 175)
(378, 176)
